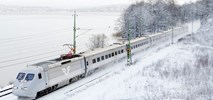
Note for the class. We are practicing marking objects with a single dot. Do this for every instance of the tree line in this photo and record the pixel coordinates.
(159, 15)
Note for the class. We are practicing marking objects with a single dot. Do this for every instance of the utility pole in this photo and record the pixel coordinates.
(128, 46)
(74, 35)
(172, 34)
(192, 26)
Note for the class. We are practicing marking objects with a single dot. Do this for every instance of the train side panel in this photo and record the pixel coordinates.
(105, 57)
(62, 74)
(140, 45)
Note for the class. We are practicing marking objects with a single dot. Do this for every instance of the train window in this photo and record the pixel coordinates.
(119, 52)
(116, 53)
(98, 59)
(20, 76)
(94, 61)
(29, 77)
(109, 55)
(122, 51)
(102, 57)
(106, 56)
(112, 54)
(39, 76)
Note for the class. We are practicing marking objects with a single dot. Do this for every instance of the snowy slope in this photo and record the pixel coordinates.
(180, 71)
(158, 74)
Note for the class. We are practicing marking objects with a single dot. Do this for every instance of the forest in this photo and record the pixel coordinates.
(160, 15)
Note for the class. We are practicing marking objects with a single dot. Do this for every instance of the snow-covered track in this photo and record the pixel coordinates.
(6, 91)
(87, 82)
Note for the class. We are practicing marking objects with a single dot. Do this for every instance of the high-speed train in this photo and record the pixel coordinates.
(44, 77)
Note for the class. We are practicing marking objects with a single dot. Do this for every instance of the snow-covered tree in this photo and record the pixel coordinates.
(159, 15)
(97, 41)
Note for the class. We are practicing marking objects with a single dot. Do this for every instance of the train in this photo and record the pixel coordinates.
(45, 77)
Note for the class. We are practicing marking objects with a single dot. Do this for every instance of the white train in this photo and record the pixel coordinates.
(44, 77)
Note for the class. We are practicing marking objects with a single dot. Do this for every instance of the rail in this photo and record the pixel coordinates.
(6, 91)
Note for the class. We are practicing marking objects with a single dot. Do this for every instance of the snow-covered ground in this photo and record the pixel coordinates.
(163, 72)
(180, 71)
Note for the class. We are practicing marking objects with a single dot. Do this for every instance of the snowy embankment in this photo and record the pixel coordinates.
(180, 71)
(166, 73)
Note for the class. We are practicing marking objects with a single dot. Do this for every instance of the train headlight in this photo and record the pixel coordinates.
(24, 88)
(15, 87)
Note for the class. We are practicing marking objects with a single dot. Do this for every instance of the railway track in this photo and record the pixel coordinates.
(90, 81)
(6, 91)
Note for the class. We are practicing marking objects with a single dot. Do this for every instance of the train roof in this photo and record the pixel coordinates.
(110, 47)
(100, 50)
(139, 39)
(56, 62)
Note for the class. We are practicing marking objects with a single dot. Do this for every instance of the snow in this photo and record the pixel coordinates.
(154, 76)
(164, 72)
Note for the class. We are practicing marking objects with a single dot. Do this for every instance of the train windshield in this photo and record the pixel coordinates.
(20, 76)
(29, 77)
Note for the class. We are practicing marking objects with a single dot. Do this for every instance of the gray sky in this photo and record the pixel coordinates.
(71, 3)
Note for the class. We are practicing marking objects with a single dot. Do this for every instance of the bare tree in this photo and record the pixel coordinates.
(97, 41)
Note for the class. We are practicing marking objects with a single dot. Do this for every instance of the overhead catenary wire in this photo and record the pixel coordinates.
(31, 43)
(30, 38)
(11, 65)
(21, 38)
(30, 56)
(28, 47)
(35, 39)
(21, 58)
(33, 34)
(43, 46)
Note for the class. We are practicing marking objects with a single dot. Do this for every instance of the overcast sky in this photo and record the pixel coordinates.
(71, 3)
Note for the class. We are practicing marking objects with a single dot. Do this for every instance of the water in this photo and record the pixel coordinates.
(27, 39)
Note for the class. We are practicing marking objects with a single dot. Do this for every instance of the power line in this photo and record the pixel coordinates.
(44, 44)
(21, 58)
(10, 65)
(40, 47)
(34, 34)
(27, 38)
(32, 41)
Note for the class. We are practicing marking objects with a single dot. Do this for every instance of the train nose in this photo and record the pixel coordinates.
(21, 91)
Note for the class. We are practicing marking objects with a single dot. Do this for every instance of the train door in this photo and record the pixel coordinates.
(83, 65)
